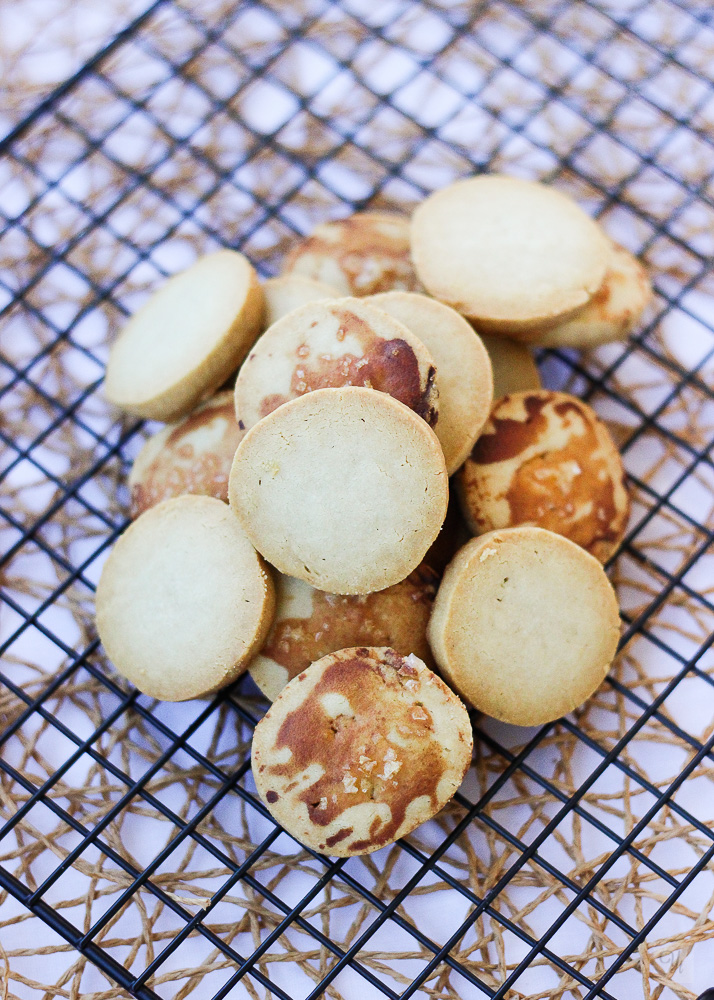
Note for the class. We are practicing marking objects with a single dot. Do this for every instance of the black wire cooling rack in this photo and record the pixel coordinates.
(245, 124)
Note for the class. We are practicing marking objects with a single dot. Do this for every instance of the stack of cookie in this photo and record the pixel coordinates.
(366, 411)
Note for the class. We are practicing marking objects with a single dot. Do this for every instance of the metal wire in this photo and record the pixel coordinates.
(460, 20)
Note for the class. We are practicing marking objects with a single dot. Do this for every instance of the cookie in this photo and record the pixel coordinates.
(462, 364)
(452, 535)
(614, 310)
(309, 624)
(514, 367)
(361, 255)
(331, 344)
(289, 291)
(187, 339)
(508, 253)
(184, 600)
(360, 749)
(525, 625)
(192, 456)
(344, 488)
(545, 458)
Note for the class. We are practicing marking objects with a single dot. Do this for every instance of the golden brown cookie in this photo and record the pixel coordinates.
(360, 749)
(343, 488)
(361, 255)
(187, 339)
(290, 291)
(509, 254)
(184, 600)
(514, 367)
(193, 456)
(463, 368)
(614, 310)
(525, 625)
(310, 624)
(545, 458)
(335, 343)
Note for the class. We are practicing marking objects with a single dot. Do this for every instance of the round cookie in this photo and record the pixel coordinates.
(184, 600)
(462, 364)
(289, 291)
(509, 253)
(360, 749)
(525, 625)
(193, 456)
(336, 343)
(187, 339)
(545, 458)
(343, 488)
(514, 367)
(614, 310)
(361, 255)
(309, 624)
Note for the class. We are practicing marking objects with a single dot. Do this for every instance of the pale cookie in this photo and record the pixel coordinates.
(508, 253)
(193, 456)
(187, 339)
(184, 600)
(331, 344)
(343, 488)
(514, 367)
(289, 291)
(360, 749)
(310, 624)
(462, 364)
(614, 310)
(545, 458)
(525, 625)
(361, 255)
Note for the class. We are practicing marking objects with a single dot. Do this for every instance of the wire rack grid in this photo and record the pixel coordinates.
(135, 856)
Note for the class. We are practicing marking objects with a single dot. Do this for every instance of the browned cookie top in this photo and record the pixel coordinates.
(359, 749)
(335, 343)
(545, 459)
(191, 456)
(363, 254)
(310, 624)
